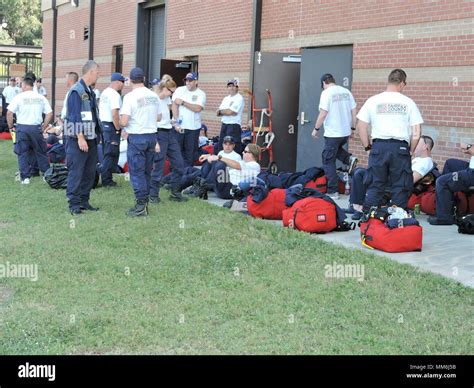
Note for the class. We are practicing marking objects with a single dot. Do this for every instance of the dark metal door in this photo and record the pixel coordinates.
(282, 79)
(315, 62)
(176, 69)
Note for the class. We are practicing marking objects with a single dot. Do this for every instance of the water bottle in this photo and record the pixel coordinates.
(347, 186)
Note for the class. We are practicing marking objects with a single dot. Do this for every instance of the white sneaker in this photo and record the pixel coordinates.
(352, 164)
(25, 181)
(334, 196)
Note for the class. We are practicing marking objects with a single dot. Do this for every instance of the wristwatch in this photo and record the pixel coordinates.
(219, 157)
(182, 102)
(316, 129)
(468, 146)
(368, 148)
(353, 128)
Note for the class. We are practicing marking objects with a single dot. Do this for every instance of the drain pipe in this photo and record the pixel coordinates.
(256, 39)
(91, 29)
(53, 59)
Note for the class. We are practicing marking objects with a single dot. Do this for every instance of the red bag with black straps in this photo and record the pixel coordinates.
(320, 184)
(376, 234)
(428, 202)
(313, 215)
(271, 208)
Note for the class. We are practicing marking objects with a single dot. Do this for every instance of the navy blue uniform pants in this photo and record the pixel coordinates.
(217, 177)
(333, 149)
(358, 188)
(389, 164)
(30, 147)
(446, 186)
(140, 155)
(169, 148)
(233, 130)
(111, 150)
(189, 144)
(81, 172)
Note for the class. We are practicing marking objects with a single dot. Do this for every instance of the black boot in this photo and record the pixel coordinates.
(140, 209)
(176, 195)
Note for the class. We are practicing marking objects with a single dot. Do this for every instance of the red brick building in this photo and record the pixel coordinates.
(433, 41)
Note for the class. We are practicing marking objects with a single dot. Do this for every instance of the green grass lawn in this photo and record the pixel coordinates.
(197, 279)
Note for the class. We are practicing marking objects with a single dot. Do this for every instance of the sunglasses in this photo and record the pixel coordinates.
(246, 152)
(169, 90)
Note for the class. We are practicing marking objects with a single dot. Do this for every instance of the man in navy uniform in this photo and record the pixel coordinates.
(82, 130)
(396, 130)
(138, 116)
(30, 145)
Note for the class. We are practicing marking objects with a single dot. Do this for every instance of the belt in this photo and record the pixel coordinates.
(164, 129)
(390, 141)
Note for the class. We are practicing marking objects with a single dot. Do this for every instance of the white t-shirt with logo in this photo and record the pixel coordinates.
(109, 100)
(143, 107)
(338, 102)
(9, 92)
(236, 104)
(248, 172)
(165, 121)
(29, 107)
(234, 174)
(391, 115)
(64, 108)
(422, 165)
(191, 120)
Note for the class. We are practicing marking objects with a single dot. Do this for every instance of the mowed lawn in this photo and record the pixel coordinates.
(197, 279)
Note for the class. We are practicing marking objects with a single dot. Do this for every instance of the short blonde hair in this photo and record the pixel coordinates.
(254, 150)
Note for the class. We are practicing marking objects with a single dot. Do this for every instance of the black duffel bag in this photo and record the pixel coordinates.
(56, 176)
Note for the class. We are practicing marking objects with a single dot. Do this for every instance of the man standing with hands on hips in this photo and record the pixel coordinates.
(231, 110)
(396, 129)
(82, 130)
(138, 116)
(188, 102)
(109, 106)
(337, 112)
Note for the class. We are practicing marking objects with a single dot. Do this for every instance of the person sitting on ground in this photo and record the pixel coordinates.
(450, 183)
(421, 164)
(241, 173)
(246, 136)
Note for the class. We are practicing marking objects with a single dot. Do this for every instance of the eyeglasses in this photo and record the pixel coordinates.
(246, 152)
(169, 90)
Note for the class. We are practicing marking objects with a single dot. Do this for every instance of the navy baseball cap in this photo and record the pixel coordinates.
(12, 79)
(234, 82)
(325, 77)
(228, 139)
(137, 74)
(155, 81)
(191, 77)
(117, 77)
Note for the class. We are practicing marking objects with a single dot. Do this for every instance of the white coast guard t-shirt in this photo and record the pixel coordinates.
(422, 165)
(109, 100)
(191, 120)
(391, 115)
(248, 172)
(29, 107)
(236, 104)
(338, 102)
(143, 107)
(234, 174)
(165, 121)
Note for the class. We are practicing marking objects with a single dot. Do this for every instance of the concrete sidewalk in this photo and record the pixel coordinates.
(445, 251)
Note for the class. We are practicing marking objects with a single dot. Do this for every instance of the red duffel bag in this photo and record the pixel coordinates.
(271, 208)
(320, 184)
(313, 215)
(415, 199)
(428, 202)
(375, 234)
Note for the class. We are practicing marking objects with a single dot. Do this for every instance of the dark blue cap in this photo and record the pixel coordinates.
(191, 77)
(117, 77)
(137, 74)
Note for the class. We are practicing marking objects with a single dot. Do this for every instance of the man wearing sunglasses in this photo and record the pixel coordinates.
(188, 102)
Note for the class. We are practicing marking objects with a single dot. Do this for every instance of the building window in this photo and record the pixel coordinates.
(117, 65)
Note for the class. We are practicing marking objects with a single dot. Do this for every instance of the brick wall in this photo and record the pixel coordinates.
(433, 40)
